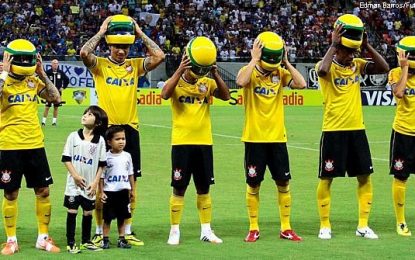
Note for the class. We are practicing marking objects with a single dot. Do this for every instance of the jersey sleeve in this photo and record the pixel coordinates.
(68, 149)
(138, 64)
(102, 153)
(362, 65)
(393, 77)
(212, 86)
(95, 70)
(242, 70)
(286, 77)
(40, 86)
(130, 165)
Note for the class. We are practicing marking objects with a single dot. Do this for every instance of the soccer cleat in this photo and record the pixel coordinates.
(252, 236)
(73, 249)
(366, 232)
(132, 240)
(174, 237)
(209, 236)
(105, 244)
(90, 246)
(403, 230)
(123, 243)
(97, 240)
(43, 124)
(325, 233)
(10, 248)
(290, 235)
(47, 244)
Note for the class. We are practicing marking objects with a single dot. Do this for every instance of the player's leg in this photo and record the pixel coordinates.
(324, 205)
(255, 163)
(108, 213)
(72, 204)
(55, 114)
(202, 168)
(123, 213)
(46, 112)
(99, 221)
(87, 207)
(10, 211)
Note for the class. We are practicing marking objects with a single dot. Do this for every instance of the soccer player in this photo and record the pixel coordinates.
(190, 92)
(264, 133)
(21, 140)
(117, 184)
(61, 81)
(343, 145)
(402, 143)
(116, 79)
(84, 156)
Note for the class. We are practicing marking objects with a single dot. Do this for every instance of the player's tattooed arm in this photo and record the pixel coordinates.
(156, 54)
(87, 50)
(50, 92)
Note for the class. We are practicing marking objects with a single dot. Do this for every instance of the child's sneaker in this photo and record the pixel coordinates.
(366, 232)
(174, 237)
(210, 237)
(10, 248)
(123, 243)
(403, 230)
(48, 245)
(105, 244)
(97, 240)
(90, 246)
(73, 249)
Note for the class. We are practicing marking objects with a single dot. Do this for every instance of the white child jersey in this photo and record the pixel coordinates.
(86, 157)
(116, 174)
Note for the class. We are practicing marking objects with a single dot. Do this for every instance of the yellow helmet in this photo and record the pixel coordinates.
(202, 54)
(121, 30)
(272, 52)
(407, 44)
(354, 28)
(24, 57)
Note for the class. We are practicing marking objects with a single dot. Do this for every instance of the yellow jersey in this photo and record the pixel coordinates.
(404, 121)
(341, 96)
(116, 86)
(190, 105)
(264, 108)
(19, 122)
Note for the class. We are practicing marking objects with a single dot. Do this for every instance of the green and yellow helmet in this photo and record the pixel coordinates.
(121, 30)
(353, 31)
(202, 54)
(407, 45)
(272, 52)
(24, 57)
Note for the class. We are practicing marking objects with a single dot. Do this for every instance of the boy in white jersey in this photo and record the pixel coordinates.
(117, 186)
(402, 143)
(190, 91)
(343, 145)
(84, 156)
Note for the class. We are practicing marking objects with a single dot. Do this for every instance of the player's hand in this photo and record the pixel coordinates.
(214, 70)
(104, 26)
(132, 195)
(39, 65)
(92, 189)
(7, 61)
(337, 34)
(184, 64)
(403, 59)
(256, 51)
(80, 181)
(104, 197)
(285, 57)
(138, 31)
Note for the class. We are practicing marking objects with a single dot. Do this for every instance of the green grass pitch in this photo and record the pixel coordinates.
(230, 220)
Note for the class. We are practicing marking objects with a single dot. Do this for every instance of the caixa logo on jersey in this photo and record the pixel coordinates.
(377, 98)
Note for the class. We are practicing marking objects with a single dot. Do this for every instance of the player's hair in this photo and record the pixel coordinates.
(101, 119)
(112, 130)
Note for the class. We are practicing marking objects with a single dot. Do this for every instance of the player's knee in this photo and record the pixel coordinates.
(179, 191)
(282, 183)
(202, 190)
(11, 195)
(363, 179)
(87, 213)
(42, 192)
(72, 211)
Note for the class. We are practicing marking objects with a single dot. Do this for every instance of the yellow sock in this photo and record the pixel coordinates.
(129, 221)
(252, 203)
(43, 214)
(204, 206)
(365, 194)
(9, 208)
(98, 211)
(398, 193)
(284, 204)
(176, 209)
(324, 202)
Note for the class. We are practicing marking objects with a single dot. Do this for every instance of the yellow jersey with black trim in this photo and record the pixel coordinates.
(19, 123)
(116, 86)
(341, 96)
(404, 121)
(264, 107)
(190, 104)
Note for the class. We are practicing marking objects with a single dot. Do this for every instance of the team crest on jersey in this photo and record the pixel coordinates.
(71, 199)
(30, 84)
(6, 176)
(129, 69)
(92, 149)
(202, 88)
(177, 174)
(252, 171)
(398, 165)
(275, 79)
(329, 165)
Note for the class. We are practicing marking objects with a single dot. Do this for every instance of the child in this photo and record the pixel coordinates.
(84, 156)
(117, 185)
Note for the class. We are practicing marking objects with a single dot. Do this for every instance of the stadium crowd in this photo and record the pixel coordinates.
(60, 27)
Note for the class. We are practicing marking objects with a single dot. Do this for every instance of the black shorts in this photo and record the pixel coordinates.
(192, 159)
(73, 202)
(344, 151)
(49, 104)
(31, 163)
(132, 139)
(402, 155)
(117, 205)
(260, 155)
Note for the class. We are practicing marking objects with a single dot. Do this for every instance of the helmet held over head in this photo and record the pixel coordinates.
(353, 31)
(407, 45)
(121, 30)
(272, 52)
(202, 54)
(24, 57)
